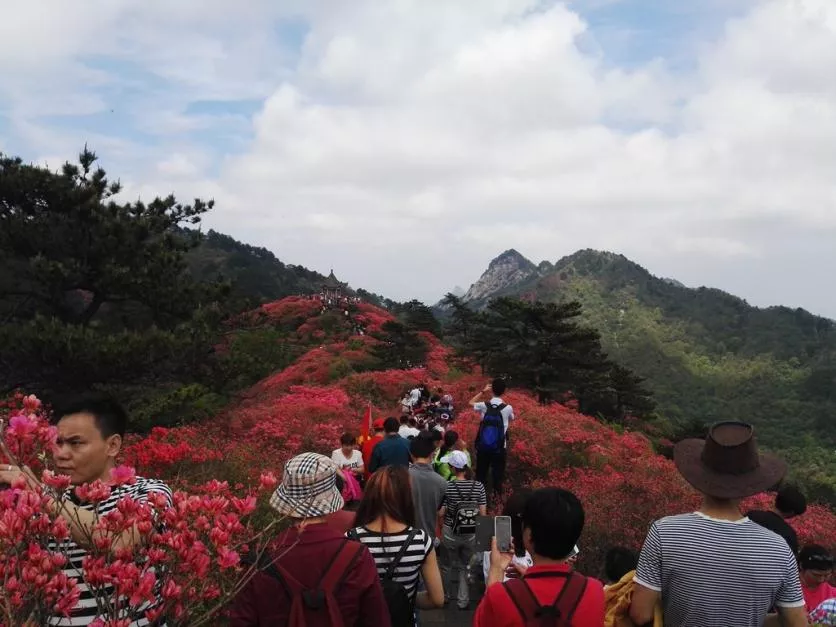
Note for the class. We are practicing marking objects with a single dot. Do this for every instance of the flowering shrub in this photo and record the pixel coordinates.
(191, 553)
(144, 559)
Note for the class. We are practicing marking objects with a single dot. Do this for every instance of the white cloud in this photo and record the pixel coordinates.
(408, 142)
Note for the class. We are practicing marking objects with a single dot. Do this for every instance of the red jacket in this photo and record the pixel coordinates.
(264, 602)
(497, 609)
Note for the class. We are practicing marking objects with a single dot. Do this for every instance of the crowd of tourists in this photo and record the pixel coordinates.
(388, 527)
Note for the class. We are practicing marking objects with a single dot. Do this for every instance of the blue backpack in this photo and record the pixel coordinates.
(491, 435)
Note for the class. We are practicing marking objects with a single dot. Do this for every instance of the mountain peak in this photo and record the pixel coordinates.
(506, 271)
(512, 256)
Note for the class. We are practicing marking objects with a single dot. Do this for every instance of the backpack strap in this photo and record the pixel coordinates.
(564, 606)
(390, 571)
(570, 596)
(341, 565)
(526, 603)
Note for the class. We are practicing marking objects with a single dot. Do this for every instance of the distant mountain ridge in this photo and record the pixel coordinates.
(707, 355)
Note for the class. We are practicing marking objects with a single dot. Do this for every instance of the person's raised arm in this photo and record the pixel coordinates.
(433, 596)
(478, 396)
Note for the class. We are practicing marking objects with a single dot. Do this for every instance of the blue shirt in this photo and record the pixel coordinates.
(393, 450)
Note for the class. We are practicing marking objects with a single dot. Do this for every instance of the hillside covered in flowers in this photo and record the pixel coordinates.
(623, 482)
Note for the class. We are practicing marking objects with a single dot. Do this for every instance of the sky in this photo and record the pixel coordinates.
(406, 143)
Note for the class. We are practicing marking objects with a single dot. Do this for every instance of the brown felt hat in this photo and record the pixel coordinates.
(726, 465)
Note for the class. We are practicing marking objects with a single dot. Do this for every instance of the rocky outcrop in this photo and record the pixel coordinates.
(506, 271)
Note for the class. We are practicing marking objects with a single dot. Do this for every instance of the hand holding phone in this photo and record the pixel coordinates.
(502, 531)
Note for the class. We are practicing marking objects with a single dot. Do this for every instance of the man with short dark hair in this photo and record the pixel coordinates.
(90, 435)
(392, 450)
(493, 460)
(552, 523)
(427, 485)
(715, 567)
(789, 503)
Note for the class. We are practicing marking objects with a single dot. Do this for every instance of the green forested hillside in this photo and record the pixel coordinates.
(710, 356)
(253, 273)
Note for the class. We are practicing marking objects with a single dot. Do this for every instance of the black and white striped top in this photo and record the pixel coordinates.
(86, 611)
(385, 546)
(717, 573)
(458, 491)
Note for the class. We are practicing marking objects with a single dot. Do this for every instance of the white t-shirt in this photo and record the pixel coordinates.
(414, 397)
(525, 560)
(408, 432)
(356, 460)
(507, 411)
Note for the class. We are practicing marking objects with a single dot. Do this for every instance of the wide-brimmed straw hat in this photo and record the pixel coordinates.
(726, 465)
(308, 488)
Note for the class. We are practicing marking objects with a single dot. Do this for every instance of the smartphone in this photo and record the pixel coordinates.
(502, 531)
(484, 532)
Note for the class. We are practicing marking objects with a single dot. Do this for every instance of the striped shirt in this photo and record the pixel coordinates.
(85, 612)
(385, 546)
(458, 491)
(717, 573)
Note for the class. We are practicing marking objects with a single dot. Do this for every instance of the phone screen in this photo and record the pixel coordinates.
(502, 531)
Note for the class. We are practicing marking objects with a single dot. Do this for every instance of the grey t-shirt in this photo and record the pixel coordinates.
(428, 489)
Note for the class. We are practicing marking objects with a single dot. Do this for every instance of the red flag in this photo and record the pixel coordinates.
(366, 425)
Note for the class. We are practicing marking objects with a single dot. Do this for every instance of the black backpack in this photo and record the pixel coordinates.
(464, 514)
(401, 606)
(491, 435)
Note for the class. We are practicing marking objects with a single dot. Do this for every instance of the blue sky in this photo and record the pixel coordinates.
(695, 138)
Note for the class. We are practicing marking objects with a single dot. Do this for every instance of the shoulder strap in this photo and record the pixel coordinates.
(340, 566)
(472, 490)
(570, 596)
(526, 603)
(390, 571)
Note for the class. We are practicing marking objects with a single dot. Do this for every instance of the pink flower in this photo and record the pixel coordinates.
(268, 481)
(21, 426)
(56, 482)
(31, 403)
(228, 558)
(123, 475)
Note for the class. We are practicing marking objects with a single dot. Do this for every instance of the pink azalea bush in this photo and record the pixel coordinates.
(190, 555)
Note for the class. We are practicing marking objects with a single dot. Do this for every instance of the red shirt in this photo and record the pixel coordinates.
(264, 603)
(813, 597)
(497, 609)
(367, 448)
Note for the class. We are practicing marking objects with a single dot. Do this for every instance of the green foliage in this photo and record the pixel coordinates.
(250, 355)
(255, 274)
(709, 356)
(543, 347)
(417, 316)
(67, 248)
(400, 347)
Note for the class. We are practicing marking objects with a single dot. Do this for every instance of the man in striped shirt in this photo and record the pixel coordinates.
(715, 567)
(90, 433)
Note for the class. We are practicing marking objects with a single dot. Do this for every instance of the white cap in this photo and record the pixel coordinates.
(457, 459)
